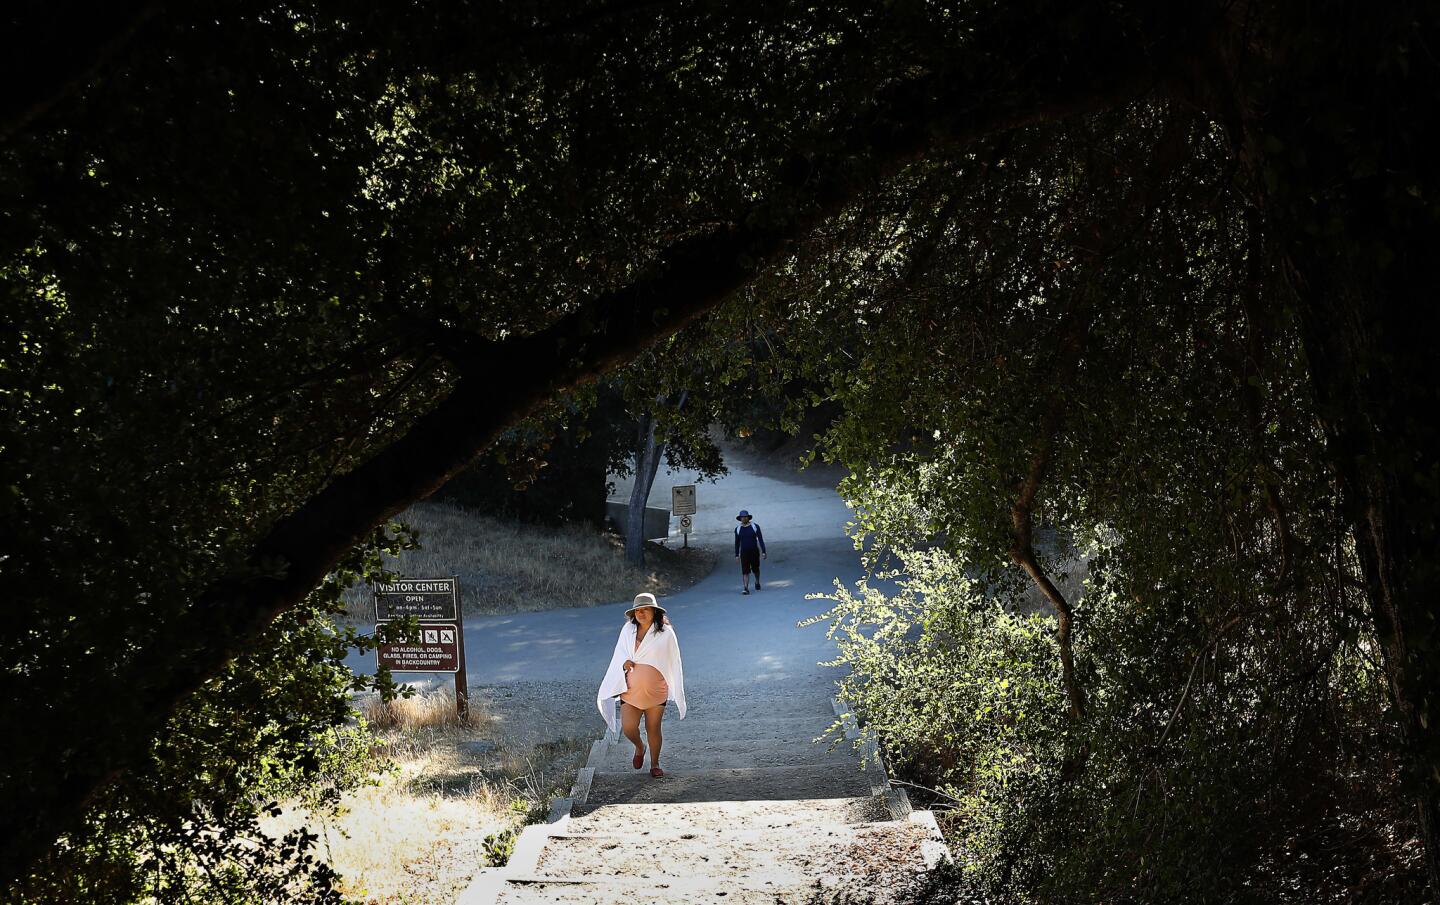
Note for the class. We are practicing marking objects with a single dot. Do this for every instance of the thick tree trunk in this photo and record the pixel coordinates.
(1372, 361)
(1353, 212)
(593, 485)
(648, 454)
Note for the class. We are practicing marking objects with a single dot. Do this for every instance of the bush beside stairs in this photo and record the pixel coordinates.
(752, 809)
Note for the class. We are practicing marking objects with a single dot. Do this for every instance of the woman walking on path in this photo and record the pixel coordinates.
(644, 673)
(749, 549)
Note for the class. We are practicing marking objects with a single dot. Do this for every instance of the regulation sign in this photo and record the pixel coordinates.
(682, 499)
(686, 523)
(423, 598)
(436, 649)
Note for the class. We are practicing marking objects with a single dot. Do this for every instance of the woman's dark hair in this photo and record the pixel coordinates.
(659, 622)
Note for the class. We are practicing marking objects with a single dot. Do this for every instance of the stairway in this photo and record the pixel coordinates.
(751, 810)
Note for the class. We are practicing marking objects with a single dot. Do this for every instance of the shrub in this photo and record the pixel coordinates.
(276, 725)
(1258, 783)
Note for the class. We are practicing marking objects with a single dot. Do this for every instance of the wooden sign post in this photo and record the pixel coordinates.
(440, 646)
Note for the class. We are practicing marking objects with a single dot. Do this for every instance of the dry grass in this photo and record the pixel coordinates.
(435, 710)
(392, 845)
(418, 837)
(510, 567)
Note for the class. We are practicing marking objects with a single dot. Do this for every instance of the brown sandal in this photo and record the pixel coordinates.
(656, 772)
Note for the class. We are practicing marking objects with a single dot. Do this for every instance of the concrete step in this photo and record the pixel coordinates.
(736, 784)
(720, 816)
(711, 728)
(705, 701)
(812, 852)
(815, 850)
(685, 753)
(686, 891)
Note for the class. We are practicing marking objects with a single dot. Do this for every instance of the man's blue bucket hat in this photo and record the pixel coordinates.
(744, 513)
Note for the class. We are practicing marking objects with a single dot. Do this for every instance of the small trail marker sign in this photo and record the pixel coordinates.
(440, 646)
(682, 499)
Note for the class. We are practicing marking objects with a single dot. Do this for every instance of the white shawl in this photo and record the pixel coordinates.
(658, 649)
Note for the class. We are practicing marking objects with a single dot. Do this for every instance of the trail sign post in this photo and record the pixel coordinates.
(682, 499)
(682, 503)
(440, 645)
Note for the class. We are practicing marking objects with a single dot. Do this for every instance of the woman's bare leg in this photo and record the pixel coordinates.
(630, 726)
(652, 732)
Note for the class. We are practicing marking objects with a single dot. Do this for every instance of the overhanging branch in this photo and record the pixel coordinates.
(502, 383)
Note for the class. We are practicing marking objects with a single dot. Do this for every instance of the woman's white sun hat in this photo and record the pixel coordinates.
(644, 599)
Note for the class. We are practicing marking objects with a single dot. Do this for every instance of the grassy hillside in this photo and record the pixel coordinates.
(512, 567)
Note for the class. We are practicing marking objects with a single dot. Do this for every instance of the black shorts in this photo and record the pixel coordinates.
(749, 562)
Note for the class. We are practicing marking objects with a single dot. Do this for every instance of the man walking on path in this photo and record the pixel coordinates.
(749, 549)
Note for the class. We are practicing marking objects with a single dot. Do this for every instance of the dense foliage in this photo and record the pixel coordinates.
(555, 468)
(276, 728)
(241, 260)
(1138, 291)
(553, 471)
(1092, 330)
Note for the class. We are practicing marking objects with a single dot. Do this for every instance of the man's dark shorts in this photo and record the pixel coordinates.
(749, 562)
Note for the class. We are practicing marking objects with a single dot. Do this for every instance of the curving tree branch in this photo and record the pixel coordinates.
(1022, 548)
(503, 382)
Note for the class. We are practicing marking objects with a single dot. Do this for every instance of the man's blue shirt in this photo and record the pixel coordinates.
(748, 537)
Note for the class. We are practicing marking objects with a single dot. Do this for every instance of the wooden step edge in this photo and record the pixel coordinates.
(581, 789)
(561, 810)
(875, 766)
(898, 800)
(599, 749)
